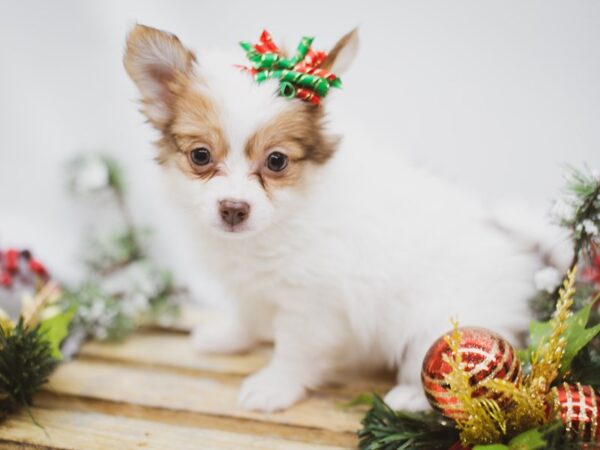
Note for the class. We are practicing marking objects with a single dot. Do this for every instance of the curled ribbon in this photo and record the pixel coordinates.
(299, 76)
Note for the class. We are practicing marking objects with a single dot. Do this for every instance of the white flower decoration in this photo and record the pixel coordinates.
(547, 279)
(561, 211)
(590, 227)
(91, 175)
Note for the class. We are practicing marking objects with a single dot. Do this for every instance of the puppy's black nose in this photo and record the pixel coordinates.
(234, 211)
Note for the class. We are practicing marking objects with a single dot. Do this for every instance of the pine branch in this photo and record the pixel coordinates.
(579, 212)
(25, 363)
(385, 429)
(556, 438)
(585, 192)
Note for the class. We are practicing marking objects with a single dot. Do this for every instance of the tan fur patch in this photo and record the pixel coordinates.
(195, 124)
(298, 132)
(339, 47)
(160, 66)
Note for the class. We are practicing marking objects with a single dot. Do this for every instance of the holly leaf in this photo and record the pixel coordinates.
(359, 400)
(576, 335)
(524, 355)
(528, 440)
(56, 328)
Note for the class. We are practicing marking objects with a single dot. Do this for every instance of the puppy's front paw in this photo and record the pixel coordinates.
(407, 397)
(269, 390)
(220, 337)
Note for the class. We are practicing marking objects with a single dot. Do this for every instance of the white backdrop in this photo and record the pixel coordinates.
(494, 95)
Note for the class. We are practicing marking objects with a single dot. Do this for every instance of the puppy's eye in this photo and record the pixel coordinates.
(277, 161)
(200, 156)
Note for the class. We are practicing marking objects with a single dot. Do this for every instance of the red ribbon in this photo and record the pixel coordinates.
(309, 65)
(266, 44)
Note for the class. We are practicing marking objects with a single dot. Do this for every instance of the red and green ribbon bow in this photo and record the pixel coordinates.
(299, 76)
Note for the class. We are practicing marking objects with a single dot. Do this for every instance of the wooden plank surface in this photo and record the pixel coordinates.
(175, 351)
(93, 431)
(154, 391)
(200, 394)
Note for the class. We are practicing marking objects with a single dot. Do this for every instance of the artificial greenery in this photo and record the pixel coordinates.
(26, 360)
(111, 311)
(385, 429)
(123, 288)
(99, 315)
(32, 329)
(543, 303)
(548, 437)
(104, 255)
(583, 196)
(577, 336)
(579, 212)
(585, 367)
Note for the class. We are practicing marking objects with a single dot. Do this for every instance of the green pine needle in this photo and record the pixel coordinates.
(585, 368)
(25, 363)
(385, 429)
(547, 437)
(556, 438)
(583, 195)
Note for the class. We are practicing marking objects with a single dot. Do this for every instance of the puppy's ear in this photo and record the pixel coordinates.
(342, 54)
(160, 66)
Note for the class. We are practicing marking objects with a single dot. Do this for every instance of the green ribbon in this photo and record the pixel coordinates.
(271, 65)
(318, 84)
(287, 89)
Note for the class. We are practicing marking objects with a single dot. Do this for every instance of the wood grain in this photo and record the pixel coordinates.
(201, 394)
(192, 419)
(92, 431)
(154, 391)
(175, 351)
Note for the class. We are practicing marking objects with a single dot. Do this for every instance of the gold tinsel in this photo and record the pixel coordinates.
(510, 408)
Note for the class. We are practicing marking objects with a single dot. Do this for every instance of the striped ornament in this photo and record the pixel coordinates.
(485, 355)
(577, 406)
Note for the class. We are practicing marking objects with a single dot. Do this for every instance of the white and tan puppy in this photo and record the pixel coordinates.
(343, 254)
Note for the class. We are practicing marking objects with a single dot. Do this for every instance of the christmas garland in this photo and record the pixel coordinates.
(488, 395)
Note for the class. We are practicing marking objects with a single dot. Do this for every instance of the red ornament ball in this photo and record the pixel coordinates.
(485, 354)
(578, 406)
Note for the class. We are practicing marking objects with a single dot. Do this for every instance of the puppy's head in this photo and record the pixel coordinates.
(240, 155)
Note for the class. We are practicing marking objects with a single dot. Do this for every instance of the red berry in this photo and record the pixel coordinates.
(12, 260)
(5, 279)
(37, 267)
